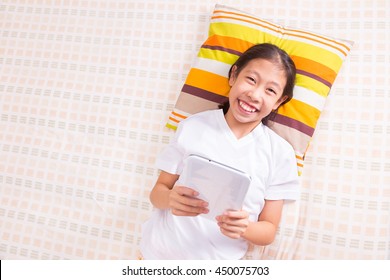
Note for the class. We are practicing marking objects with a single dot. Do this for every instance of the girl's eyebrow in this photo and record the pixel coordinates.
(274, 83)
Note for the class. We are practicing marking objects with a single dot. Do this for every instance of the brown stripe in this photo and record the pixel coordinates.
(315, 77)
(192, 104)
(297, 139)
(294, 124)
(219, 48)
(204, 94)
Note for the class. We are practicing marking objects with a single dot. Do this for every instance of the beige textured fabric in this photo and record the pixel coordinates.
(86, 88)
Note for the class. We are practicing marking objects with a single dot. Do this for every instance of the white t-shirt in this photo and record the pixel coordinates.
(264, 155)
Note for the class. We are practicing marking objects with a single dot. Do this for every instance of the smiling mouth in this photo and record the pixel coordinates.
(246, 107)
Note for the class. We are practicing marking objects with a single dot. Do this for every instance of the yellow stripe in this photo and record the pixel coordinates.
(290, 44)
(170, 126)
(343, 48)
(208, 81)
(308, 51)
(236, 31)
(300, 111)
(221, 56)
(312, 84)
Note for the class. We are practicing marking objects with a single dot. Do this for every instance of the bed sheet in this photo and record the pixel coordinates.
(86, 88)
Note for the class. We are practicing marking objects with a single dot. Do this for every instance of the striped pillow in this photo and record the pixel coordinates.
(318, 60)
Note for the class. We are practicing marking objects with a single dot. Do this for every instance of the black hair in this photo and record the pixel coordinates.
(271, 53)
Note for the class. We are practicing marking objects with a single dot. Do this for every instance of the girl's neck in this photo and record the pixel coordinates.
(239, 129)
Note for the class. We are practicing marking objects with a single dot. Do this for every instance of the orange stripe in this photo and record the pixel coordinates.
(208, 81)
(293, 34)
(243, 15)
(321, 42)
(178, 115)
(323, 38)
(312, 66)
(215, 17)
(174, 120)
(228, 42)
(299, 157)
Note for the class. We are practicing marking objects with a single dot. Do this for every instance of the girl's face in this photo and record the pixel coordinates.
(254, 93)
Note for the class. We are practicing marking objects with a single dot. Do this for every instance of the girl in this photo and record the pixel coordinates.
(261, 80)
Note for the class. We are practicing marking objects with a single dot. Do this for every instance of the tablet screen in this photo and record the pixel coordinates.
(223, 187)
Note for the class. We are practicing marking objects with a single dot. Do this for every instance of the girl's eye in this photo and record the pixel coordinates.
(271, 91)
(252, 80)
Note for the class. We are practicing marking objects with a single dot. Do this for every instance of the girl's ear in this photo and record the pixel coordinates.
(280, 101)
(232, 77)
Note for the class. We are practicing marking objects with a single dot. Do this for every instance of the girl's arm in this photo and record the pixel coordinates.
(181, 200)
(263, 232)
(235, 224)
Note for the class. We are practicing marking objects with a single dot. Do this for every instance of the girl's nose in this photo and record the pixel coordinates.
(255, 94)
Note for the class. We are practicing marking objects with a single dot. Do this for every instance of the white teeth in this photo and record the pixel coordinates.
(246, 107)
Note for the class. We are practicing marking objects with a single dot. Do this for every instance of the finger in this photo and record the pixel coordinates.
(185, 191)
(178, 212)
(189, 209)
(231, 224)
(185, 196)
(233, 227)
(182, 204)
(194, 202)
(235, 234)
(187, 204)
(189, 201)
(236, 214)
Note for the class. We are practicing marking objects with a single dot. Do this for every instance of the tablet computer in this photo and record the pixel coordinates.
(222, 186)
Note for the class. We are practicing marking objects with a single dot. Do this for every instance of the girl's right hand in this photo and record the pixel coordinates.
(183, 201)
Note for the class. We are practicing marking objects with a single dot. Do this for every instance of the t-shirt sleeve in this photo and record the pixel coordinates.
(171, 158)
(284, 181)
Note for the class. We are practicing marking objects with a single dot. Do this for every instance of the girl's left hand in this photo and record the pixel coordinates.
(233, 224)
